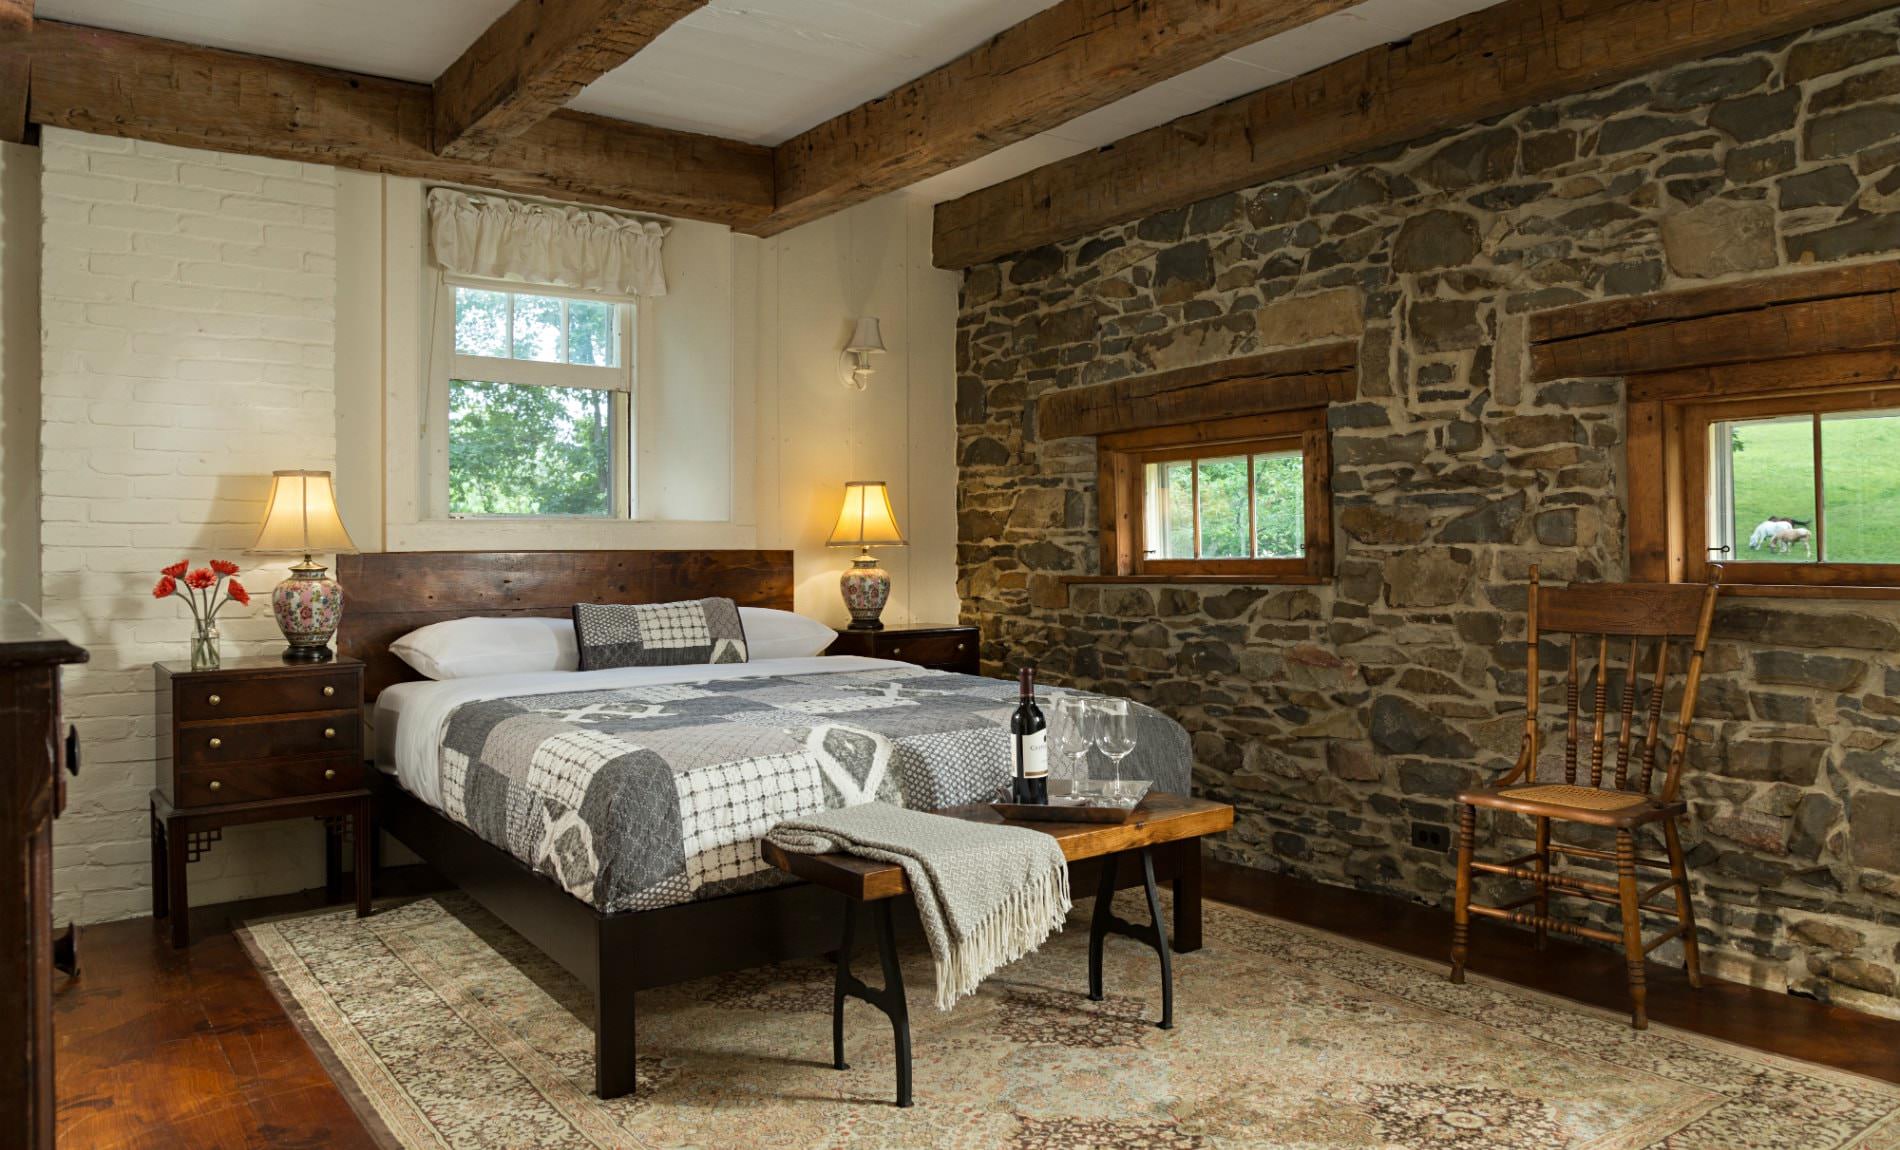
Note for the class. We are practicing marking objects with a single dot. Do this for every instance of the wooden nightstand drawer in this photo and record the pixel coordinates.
(216, 697)
(210, 744)
(931, 650)
(257, 782)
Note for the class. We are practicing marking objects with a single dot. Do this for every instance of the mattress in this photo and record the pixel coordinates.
(643, 787)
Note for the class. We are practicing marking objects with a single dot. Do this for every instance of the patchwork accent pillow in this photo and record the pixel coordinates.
(658, 634)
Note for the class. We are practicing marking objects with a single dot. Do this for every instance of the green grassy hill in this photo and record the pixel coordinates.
(1774, 475)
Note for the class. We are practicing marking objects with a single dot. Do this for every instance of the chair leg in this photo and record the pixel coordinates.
(1542, 866)
(1685, 909)
(1461, 903)
(1632, 927)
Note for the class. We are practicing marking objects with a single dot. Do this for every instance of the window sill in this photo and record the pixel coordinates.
(1806, 591)
(1235, 580)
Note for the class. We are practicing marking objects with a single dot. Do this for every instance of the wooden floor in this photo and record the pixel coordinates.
(163, 1049)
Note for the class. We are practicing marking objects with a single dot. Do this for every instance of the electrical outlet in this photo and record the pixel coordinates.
(1430, 837)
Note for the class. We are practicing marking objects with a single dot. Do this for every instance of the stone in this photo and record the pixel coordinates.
(1071, 325)
(1371, 523)
(1096, 248)
(981, 284)
(1795, 669)
(972, 401)
(1231, 604)
(1445, 324)
(1427, 577)
(1302, 319)
(1183, 272)
(1631, 132)
(1636, 278)
(1758, 832)
(1862, 975)
(1162, 227)
(1775, 760)
(984, 452)
(1538, 430)
(1436, 239)
(1361, 189)
(1693, 87)
(1213, 214)
(1495, 522)
(1781, 627)
(1353, 762)
(1820, 57)
(1847, 133)
(1874, 767)
(1127, 602)
(1548, 150)
(1275, 206)
(1036, 265)
(1556, 528)
(1752, 118)
(1719, 238)
(1758, 162)
(1442, 780)
(1832, 936)
(1362, 450)
(1484, 157)
(1037, 509)
(1863, 236)
(1823, 187)
(1856, 89)
(1813, 815)
(1402, 727)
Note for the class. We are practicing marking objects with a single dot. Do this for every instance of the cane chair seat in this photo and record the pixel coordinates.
(1598, 806)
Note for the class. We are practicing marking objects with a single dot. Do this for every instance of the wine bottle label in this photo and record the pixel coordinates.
(1036, 755)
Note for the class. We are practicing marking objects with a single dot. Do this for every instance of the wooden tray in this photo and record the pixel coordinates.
(1050, 813)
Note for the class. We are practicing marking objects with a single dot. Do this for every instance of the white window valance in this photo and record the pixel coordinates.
(496, 237)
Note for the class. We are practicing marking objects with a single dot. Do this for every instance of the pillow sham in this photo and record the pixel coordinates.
(658, 634)
(466, 648)
(773, 634)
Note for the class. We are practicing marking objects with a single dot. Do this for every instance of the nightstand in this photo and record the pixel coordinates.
(942, 648)
(256, 740)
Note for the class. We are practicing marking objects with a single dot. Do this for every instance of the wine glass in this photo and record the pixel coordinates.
(1069, 734)
(1112, 732)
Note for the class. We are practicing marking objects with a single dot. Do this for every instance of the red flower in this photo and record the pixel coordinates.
(224, 567)
(176, 569)
(166, 586)
(237, 591)
(200, 579)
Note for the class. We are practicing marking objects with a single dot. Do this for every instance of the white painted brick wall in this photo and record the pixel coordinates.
(189, 320)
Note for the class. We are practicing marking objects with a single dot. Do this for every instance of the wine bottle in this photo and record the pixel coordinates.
(1032, 744)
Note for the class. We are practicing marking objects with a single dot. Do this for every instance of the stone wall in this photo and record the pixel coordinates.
(1338, 718)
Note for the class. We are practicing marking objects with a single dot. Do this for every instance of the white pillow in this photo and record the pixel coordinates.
(773, 634)
(467, 648)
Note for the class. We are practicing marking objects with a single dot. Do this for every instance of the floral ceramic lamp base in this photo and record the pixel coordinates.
(866, 588)
(308, 606)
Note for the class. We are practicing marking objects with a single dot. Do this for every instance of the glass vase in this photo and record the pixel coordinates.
(205, 653)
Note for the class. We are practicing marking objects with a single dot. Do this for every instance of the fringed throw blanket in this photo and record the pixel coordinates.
(987, 895)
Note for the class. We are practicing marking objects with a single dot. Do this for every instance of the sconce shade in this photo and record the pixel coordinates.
(302, 518)
(866, 336)
(866, 519)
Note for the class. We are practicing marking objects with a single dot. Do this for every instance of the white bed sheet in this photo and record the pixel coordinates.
(411, 718)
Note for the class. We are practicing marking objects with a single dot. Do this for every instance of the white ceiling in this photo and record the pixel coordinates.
(758, 70)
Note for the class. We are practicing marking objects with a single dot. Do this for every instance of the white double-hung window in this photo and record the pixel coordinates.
(539, 391)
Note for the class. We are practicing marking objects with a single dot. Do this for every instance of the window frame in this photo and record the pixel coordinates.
(1122, 458)
(1693, 420)
(621, 381)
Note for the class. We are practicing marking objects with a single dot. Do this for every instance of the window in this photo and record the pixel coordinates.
(539, 406)
(1795, 489)
(1241, 498)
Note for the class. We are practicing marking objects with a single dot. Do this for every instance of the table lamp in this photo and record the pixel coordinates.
(866, 522)
(302, 520)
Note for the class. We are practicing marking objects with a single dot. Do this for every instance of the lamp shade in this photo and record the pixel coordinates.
(866, 336)
(302, 518)
(866, 520)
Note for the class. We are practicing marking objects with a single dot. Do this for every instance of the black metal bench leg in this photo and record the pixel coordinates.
(889, 998)
(840, 985)
(1099, 923)
(1160, 939)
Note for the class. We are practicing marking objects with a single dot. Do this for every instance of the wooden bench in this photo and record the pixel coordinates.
(1161, 819)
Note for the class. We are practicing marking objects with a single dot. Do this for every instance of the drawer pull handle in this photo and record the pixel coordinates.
(215, 700)
(215, 784)
(328, 691)
(216, 743)
(329, 732)
(897, 650)
(959, 646)
(330, 774)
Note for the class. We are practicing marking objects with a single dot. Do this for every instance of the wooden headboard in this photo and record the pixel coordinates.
(388, 594)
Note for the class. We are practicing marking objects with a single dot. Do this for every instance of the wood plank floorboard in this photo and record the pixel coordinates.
(166, 1049)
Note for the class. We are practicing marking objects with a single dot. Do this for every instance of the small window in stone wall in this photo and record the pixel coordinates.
(1242, 498)
(1797, 489)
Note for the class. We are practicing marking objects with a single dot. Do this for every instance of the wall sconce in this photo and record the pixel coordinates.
(855, 364)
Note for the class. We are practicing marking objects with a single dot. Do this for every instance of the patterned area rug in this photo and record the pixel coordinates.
(454, 1032)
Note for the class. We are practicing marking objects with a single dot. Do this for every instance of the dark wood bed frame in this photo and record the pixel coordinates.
(613, 955)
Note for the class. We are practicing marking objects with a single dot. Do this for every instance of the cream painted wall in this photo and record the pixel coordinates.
(20, 374)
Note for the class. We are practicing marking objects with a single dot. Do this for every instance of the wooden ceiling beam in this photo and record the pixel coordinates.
(533, 60)
(1066, 60)
(116, 84)
(16, 45)
(1496, 60)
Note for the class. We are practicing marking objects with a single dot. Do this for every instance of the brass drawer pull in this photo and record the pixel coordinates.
(897, 650)
(328, 691)
(329, 732)
(216, 743)
(959, 646)
(215, 700)
(215, 784)
(330, 774)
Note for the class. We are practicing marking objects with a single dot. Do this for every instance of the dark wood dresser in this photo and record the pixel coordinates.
(256, 740)
(941, 647)
(32, 793)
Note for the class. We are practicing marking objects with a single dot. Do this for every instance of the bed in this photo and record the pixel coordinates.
(612, 817)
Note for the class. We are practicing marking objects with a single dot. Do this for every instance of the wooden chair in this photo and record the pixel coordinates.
(1660, 614)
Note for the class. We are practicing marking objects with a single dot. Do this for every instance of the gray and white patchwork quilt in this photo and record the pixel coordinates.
(640, 797)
